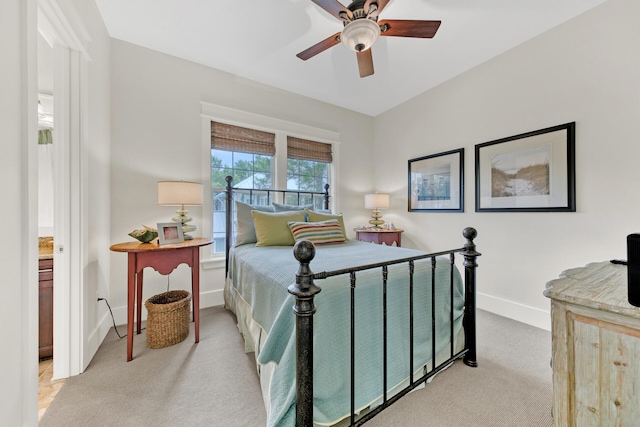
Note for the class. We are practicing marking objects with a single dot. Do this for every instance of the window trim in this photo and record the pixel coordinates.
(212, 112)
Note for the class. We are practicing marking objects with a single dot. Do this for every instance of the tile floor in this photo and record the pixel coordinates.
(47, 389)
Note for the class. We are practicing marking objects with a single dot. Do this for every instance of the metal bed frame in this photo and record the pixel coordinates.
(304, 290)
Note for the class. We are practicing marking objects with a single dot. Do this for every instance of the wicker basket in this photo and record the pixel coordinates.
(168, 318)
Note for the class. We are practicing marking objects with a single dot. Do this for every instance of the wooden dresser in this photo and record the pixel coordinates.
(596, 348)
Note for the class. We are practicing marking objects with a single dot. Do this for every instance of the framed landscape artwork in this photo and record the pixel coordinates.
(436, 182)
(530, 172)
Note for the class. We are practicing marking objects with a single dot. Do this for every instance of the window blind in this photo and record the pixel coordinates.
(302, 149)
(235, 138)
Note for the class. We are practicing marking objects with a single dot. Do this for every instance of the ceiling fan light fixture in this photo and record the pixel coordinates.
(360, 35)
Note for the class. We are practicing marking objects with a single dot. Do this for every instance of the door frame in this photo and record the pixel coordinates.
(65, 33)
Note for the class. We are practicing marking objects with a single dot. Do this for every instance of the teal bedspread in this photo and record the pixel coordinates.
(261, 276)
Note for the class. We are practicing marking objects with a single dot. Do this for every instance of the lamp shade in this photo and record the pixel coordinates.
(178, 193)
(359, 35)
(376, 201)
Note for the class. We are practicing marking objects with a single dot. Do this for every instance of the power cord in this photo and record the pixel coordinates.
(112, 319)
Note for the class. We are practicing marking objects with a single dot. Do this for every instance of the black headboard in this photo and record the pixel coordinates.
(284, 193)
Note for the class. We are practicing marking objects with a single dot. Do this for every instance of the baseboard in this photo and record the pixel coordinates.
(522, 313)
(212, 298)
(95, 338)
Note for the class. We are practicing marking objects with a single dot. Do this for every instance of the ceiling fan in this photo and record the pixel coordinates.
(362, 29)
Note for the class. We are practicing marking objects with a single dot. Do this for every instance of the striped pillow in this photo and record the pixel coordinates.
(319, 233)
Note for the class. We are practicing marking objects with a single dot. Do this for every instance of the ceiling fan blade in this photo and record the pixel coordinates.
(408, 28)
(319, 47)
(334, 7)
(381, 4)
(365, 63)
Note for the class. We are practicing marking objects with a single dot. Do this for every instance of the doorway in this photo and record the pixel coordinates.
(66, 79)
(47, 387)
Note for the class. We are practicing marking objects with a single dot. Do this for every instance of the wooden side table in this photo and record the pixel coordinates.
(379, 236)
(164, 259)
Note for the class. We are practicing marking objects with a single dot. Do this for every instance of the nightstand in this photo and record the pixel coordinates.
(164, 259)
(379, 236)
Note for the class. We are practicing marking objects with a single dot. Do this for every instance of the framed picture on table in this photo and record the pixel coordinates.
(170, 232)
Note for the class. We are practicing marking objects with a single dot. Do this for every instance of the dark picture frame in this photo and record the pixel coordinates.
(530, 172)
(436, 182)
(170, 232)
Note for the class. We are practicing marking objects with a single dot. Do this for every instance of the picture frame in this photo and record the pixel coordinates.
(436, 182)
(170, 232)
(530, 172)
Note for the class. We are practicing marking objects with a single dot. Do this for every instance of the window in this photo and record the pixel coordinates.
(216, 170)
(246, 155)
(307, 167)
(250, 157)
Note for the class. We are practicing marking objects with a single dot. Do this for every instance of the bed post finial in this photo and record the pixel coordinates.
(228, 223)
(469, 322)
(326, 197)
(304, 290)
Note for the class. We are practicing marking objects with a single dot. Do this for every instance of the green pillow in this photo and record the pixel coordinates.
(245, 231)
(272, 229)
(313, 216)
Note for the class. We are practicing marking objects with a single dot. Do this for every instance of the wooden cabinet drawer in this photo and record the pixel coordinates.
(45, 264)
(45, 308)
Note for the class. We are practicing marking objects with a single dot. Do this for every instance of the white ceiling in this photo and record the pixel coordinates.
(259, 40)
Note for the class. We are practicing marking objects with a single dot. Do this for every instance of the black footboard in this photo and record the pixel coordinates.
(305, 290)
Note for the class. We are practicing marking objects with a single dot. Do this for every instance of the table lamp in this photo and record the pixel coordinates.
(180, 193)
(376, 202)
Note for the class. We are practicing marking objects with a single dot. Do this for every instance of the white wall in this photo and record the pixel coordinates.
(157, 135)
(586, 71)
(18, 254)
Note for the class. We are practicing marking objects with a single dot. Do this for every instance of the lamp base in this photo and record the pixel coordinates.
(376, 221)
(183, 219)
(186, 228)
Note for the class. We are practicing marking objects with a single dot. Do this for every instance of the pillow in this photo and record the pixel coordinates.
(272, 229)
(320, 233)
(245, 231)
(313, 216)
(279, 207)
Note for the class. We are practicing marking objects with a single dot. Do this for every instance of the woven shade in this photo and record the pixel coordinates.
(302, 149)
(235, 138)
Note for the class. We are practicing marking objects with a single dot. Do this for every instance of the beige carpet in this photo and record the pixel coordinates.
(214, 383)
(511, 387)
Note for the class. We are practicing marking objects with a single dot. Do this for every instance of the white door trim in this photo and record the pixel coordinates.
(64, 31)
